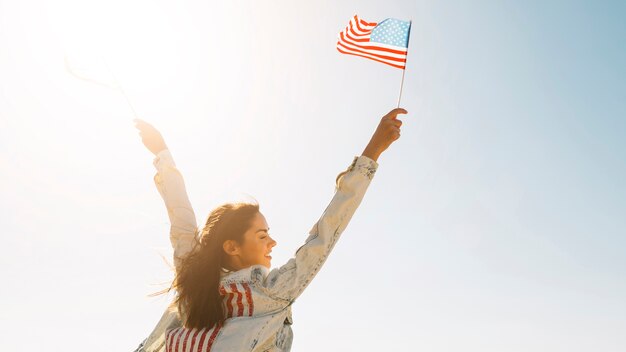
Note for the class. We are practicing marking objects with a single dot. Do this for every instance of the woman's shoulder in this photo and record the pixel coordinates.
(253, 273)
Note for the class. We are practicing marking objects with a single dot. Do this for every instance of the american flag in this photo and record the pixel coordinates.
(386, 42)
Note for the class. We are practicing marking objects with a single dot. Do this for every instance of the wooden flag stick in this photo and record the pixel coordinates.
(121, 89)
(401, 84)
(116, 84)
(407, 57)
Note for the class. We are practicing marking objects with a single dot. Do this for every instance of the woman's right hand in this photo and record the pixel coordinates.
(387, 132)
(150, 136)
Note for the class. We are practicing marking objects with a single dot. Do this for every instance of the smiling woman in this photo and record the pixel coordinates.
(228, 243)
(227, 299)
(253, 249)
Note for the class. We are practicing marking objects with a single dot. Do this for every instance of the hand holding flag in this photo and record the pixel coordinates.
(387, 132)
(150, 136)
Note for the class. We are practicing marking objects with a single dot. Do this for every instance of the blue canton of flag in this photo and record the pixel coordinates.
(392, 32)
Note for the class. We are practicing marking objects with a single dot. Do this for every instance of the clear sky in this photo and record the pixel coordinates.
(495, 223)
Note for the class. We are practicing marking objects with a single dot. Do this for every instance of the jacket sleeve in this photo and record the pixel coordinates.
(170, 184)
(288, 281)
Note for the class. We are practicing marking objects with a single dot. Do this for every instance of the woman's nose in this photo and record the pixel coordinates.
(272, 243)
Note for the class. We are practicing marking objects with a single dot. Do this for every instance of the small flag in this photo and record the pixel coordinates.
(386, 42)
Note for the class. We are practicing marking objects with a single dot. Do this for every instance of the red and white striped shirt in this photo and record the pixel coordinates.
(191, 340)
(237, 301)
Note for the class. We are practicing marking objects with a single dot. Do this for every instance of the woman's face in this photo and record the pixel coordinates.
(256, 247)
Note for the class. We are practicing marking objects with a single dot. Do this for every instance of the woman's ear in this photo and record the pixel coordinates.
(231, 247)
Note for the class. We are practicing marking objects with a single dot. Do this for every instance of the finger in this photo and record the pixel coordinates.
(142, 123)
(138, 122)
(394, 122)
(145, 127)
(393, 113)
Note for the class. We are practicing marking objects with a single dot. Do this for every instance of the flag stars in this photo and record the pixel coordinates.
(391, 31)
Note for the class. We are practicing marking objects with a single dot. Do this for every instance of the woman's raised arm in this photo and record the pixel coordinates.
(170, 184)
(290, 280)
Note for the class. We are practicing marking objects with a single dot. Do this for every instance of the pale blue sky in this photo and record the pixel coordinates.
(495, 223)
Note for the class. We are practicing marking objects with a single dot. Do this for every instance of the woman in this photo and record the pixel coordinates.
(227, 299)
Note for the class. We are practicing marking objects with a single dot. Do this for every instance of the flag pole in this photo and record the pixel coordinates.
(117, 86)
(121, 89)
(407, 57)
(401, 84)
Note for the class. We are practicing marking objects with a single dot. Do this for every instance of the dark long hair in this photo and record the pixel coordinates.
(198, 278)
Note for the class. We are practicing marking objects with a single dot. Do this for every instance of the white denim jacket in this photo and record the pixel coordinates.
(257, 301)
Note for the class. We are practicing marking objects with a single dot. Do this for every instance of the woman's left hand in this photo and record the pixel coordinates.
(150, 136)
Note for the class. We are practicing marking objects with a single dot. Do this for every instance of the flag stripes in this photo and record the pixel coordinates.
(238, 299)
(356, 40)
(249, 298)
(189, 337)
(233, 286)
